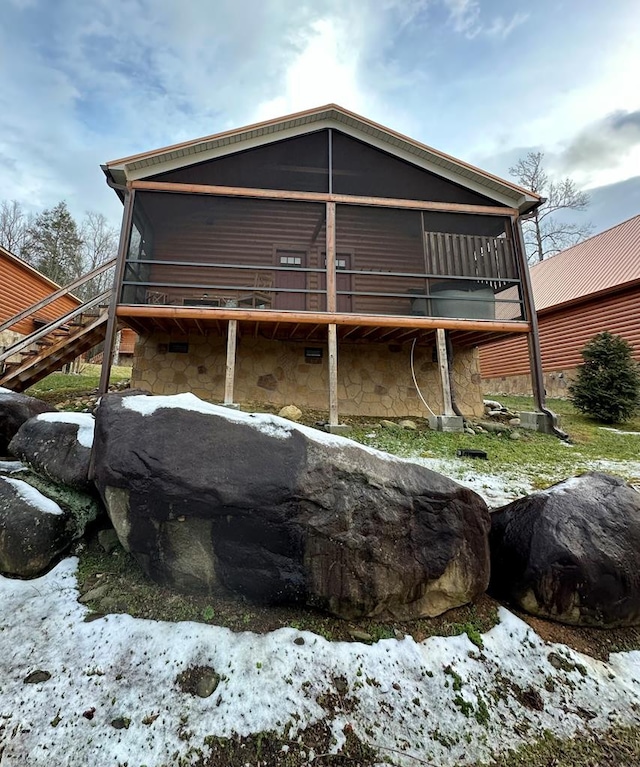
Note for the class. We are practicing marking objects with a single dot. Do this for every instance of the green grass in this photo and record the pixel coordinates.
(542, 459)
(57, 387)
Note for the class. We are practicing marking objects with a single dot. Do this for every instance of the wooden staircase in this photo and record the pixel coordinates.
(58, 342)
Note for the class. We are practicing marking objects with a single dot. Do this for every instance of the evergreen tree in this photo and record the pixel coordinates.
(607, 386)
(55, 245)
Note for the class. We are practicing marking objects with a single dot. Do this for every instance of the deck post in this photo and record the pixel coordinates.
(333, 377)
(232, 332)
(330, 266)
(548, 422)
(112, 320)
(443, 365)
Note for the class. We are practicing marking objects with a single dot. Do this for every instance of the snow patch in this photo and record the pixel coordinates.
(441, 701)
(33, 496)
(84, 421)
(5, 391)
(11, 467)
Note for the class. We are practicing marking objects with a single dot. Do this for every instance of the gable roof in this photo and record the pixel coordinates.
(145, 164)
(602, 263)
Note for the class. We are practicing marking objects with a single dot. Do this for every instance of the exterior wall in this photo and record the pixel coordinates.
(563, 334)
(556, 384)
(373, 379)
(21, 286)
(7, 339)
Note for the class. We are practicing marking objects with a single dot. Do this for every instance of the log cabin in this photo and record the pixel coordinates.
(580, 292)
(318, 259)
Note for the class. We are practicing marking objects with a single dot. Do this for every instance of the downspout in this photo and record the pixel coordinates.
(535, 357)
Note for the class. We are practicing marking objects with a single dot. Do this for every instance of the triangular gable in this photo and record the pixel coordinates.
(169, 158)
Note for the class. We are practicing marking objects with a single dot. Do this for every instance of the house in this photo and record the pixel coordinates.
(21, 286)
(584, 290)
(319, 259)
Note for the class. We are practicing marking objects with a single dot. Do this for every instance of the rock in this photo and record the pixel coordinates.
(492, 426)
(515, 435)
(492, 404)
(360, 636)
(409, 425)
(514, 422)
(38, 522)
(207, 684)
(494, 413)
(121, 723)
(390, 425)
(57, 445)
(469, 430)
(108, 540)
(282, 513)
(291, 412)
(15, 409)
(94, 594)
(571, 553)
(37, 677)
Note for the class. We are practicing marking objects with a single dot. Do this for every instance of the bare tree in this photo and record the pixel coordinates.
(545, 235)
(15, 225)
(99, 244)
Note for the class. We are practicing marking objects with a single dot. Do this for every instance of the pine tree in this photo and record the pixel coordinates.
(55, 245)
(607, 386)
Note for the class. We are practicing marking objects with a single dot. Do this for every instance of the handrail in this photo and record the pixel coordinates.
(58, 294)
(38, 334)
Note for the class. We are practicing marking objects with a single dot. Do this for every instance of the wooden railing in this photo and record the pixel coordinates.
(64, 291)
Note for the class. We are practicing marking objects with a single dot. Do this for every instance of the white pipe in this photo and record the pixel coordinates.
(415, 382)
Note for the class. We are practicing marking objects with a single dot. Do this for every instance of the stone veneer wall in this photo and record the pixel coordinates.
(556, 384)
(373, 379)
(7, 339)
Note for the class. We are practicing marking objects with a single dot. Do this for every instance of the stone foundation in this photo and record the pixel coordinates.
(7, 339)
(373, 379)
(556, 384)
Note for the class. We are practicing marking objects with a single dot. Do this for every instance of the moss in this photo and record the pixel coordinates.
(82, 507)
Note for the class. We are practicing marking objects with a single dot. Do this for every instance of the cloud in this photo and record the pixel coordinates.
(604, 143)
(466, 18)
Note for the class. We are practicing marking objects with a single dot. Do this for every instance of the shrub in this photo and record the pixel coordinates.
(607, 386)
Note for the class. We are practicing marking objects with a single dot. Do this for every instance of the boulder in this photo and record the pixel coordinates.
(57, 445)
(571, 553)
(37, 524)
(15, 409)
(284, 513)
(292, 412)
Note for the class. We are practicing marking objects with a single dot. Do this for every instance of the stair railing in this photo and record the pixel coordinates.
(58, 294)
(23, 343)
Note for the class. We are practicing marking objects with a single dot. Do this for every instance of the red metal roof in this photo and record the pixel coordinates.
(601, 263)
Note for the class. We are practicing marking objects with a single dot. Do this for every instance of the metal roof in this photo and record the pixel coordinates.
(268, 131)
(600, 264)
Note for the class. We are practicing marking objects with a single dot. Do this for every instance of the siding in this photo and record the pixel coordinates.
(564, 333)
(21, 286)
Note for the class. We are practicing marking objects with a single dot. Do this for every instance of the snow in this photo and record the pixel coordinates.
(33, 496)
(11, 467)
(272, 425)
(402, 693)
(619, 431)
(5, 391)
(84, 421)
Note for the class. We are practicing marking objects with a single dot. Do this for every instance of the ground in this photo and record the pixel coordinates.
(118, 680)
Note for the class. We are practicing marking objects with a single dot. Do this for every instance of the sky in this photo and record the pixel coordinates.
(487, 81)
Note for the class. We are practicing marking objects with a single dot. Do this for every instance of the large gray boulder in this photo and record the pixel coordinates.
(571, 553)
(283, 513)
(15, 409)
(57, 445)
(38, 522)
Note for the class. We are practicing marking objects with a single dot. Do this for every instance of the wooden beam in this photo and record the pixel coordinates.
(230, 371)
(320, 318)
(342, 199)
(112, 322)
(444, 372)
(333, 375)
(331, 257)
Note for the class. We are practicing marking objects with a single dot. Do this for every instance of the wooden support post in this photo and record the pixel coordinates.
(447, 405)
(333, 375)
(232, 332)
(112, 321)
(332, 302)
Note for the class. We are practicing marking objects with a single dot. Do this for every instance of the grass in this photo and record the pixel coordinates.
(540, 458)
(57, 387)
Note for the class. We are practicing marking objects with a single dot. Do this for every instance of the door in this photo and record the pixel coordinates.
(290, 277)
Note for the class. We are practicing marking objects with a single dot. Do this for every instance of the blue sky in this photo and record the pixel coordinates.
(485, 80)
